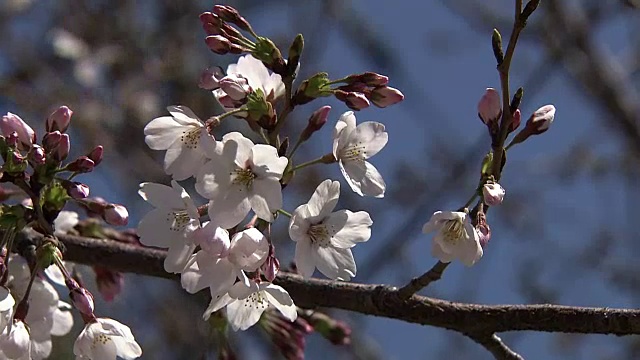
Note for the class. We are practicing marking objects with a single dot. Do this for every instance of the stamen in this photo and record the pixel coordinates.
(319, 235)
(243, 177)
(355, 152)
(178, 220)
(190, 138)
(453, 230)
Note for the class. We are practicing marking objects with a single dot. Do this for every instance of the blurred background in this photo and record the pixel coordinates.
(565, 234)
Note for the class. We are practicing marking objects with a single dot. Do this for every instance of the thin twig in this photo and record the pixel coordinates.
(418, 283)
(495, 346)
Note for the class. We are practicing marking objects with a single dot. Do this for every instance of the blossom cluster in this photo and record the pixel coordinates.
(31, 311)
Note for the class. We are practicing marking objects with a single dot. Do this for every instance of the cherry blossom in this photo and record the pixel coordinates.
(183, 135)
(455, 237)
(493, 194)
(352, 146)
(245, 304)
(256, 75)
(15, 342)
(104, 339)
(221, 260)
(324, 238)
(170, 224)
(240, 177)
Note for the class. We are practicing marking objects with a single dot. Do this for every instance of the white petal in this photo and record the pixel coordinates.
(336, 264)
(439, 218)
(183, 162)
(184, 116)
(372, 135)
(218, 274)
(214, 177)
(162, 132)
(161, 196)
(281, 300)
(155, 229)
(364, 178)
(470, 250)
(305, 258)
(299, 223)
(177, 256)
(266, 198)
(243, 314)
(6, 300)
(217, 304)
(323, 200)
(65, 221)
(249, 249)
(439, 254)
(266, 162)
(239, 148)
(62, 320)
(229, 211)
(352, 228)
(342, 131)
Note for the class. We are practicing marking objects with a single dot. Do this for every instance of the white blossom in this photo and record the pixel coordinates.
(257, 76)
(170, 224)
(104, 339)
(183, 135)
(64, 222)
(15, 342)
(240, 177)
(324, 238)
(221, 261)
(455, 237)
(352, 146)
(245, 304)
(6, 308)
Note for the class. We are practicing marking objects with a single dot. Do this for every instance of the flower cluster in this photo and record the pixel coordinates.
(31, 311)
(224, 246)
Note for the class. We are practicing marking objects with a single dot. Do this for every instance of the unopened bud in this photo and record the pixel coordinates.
(211, 23)
(541, 119)
(271, 266)
(515, 122)
(489, 106)
(517, 99)
(115, 214)
(496, 43)
(230, 14)
(81, 165)
(368, 78)
(483, 230)
(384, 96)
(236, 86)
(316, 122)
(267, 52)
(353, 100)
(76, 190)
(284, 146)
(210, 77)
(312, 88)
(218, 44)
(96, 154)
(13, 123)
(37, 155)
(62, 150)
(81, 298)
(493, 194)
(59, 119)
(295, 52)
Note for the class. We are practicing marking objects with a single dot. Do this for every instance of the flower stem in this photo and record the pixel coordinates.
(308, 163)
(232, 112)
(285, 213)
(468, 203)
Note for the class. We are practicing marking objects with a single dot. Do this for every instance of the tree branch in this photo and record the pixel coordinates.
(495, 346)
(418, 283)
(377, 300)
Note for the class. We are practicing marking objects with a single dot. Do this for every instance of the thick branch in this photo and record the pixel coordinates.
(380, 300)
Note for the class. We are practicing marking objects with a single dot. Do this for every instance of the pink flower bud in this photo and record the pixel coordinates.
(37, 155)
(81, 298)
(50, 140)
(109, 282)
(370, 79)
(517, 118)
(218, 44)
(541, 119)
(230, 14)
(235, 86)
(316, 122)
(211, 23)
(489, 106)
(115, 214)
(82, 165)
(210, 78)
(212, 239)
(96, 154)
(493, 194)
(353, 100)
(59, 119)
(271, 266)
(62, 150)
(12, 122)
(76, 190)
(384, 96)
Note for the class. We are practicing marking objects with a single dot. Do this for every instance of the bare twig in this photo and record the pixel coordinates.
(495, 346)
(418, 283)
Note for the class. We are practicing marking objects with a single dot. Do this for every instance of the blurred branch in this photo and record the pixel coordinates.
(378, 300)
(418, 283)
